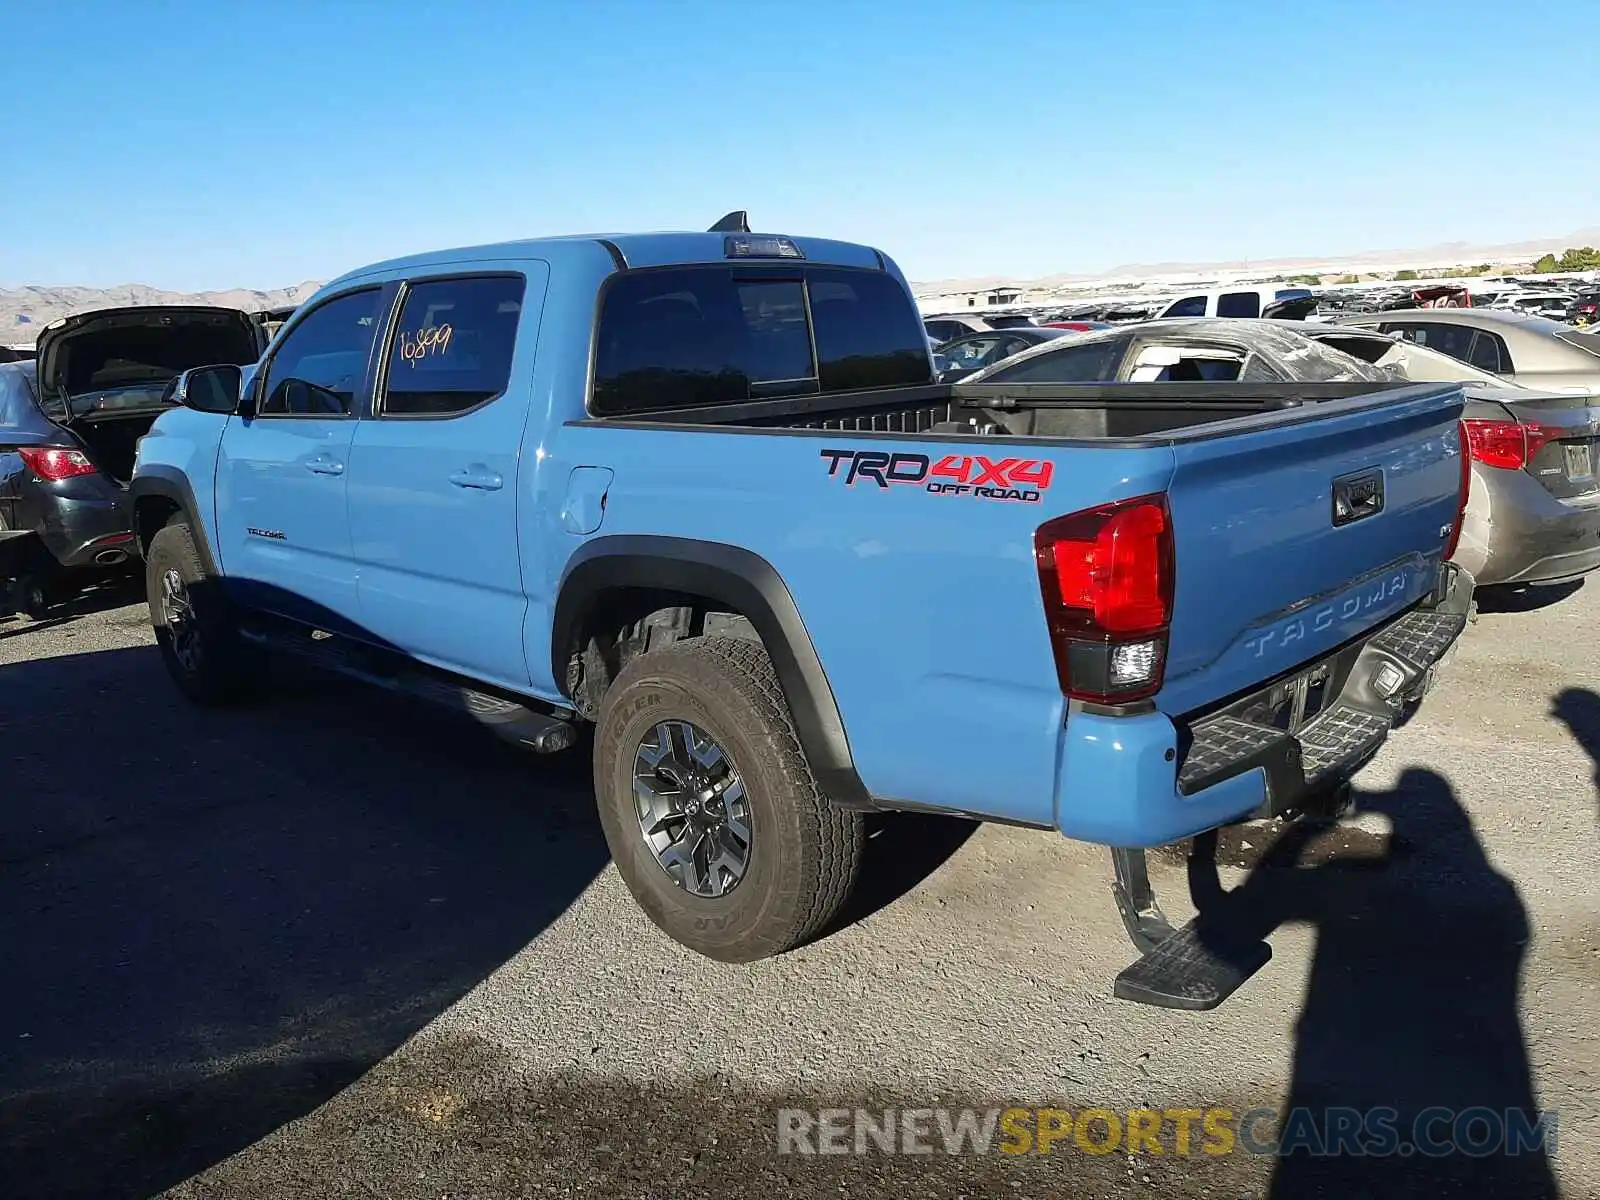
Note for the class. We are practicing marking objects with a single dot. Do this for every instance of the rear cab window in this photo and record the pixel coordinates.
(700, 336)
(1189, 306)
(1239, 304)
(1584, 339)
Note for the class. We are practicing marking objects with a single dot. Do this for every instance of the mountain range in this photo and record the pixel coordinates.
(24, 311)
(1443, 254)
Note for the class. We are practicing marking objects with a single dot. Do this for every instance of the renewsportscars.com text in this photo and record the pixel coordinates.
(1214, 1131)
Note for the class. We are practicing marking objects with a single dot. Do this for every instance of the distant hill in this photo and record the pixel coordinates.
(24, 311)
(1448, 254)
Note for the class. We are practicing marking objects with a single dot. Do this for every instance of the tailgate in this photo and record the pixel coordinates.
(1295, 537)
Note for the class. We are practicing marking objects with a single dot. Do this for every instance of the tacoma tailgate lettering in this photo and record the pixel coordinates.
(1387, 589)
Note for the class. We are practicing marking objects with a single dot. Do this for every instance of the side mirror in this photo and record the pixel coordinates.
(207, 389)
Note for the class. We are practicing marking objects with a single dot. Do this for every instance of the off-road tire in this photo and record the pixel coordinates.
(805, 853)
(227, 668)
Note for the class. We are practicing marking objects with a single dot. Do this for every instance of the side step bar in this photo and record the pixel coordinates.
(517, 723)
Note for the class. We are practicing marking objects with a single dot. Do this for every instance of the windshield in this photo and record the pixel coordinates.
(127, 398)
(16, 394)
(1583, 339)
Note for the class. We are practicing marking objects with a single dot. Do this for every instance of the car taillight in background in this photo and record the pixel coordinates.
(1106, 574)
(54, 463)
(1507, 444)
(1465, 455)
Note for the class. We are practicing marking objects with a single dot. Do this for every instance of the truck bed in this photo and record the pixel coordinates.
(1073, 412)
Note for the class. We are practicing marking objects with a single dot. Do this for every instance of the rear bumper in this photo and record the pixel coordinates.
(1146, 779)
(80, 531)
(1517, 532)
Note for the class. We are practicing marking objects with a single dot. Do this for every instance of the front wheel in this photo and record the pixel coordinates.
(194, 623)
(711, 812)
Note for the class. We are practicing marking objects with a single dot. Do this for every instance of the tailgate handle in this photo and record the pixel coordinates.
(1357, 496)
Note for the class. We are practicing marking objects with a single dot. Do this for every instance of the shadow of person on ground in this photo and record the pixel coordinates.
(1412, 1007)
(1579, 710)
(210, 922)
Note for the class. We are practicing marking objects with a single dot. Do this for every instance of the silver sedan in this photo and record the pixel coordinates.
(1533, 510)
(1528, 351)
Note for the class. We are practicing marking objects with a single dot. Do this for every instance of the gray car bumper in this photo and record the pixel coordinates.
(1517, 532)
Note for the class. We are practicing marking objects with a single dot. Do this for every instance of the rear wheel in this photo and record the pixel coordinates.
(194, 623)
(709, 807)
(35, 597)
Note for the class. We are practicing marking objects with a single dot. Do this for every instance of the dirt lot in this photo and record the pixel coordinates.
(336, 946)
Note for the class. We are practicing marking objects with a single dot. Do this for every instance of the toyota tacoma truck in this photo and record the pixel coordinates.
(701, 491)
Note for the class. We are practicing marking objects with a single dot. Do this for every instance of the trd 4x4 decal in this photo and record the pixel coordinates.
(1015, 479)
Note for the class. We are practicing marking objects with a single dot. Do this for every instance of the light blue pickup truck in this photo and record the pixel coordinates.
(700, 490)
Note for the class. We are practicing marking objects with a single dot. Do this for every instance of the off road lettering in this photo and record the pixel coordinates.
(1019, 480)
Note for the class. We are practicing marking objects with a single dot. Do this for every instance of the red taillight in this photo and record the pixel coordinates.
(1106, 575)
(54, 464)
(1461, 497)
(1507, 444)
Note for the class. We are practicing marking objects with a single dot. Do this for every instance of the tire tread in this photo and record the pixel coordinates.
(734, 678)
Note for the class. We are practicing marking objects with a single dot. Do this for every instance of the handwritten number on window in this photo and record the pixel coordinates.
(433, 340)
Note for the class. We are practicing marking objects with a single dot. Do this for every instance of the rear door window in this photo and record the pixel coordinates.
(1454, 340)
(452, 348)
(698, 336)
(1489, 353)
(1239, 304)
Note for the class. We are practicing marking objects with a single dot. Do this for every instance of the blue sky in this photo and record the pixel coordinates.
(220, 143)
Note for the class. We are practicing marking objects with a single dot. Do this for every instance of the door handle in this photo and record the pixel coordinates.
(321, 464)
(477, 476)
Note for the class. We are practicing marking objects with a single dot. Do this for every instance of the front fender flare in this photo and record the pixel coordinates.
(171, 484)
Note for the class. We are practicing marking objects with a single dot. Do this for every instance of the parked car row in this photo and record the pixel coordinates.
(1533, 438)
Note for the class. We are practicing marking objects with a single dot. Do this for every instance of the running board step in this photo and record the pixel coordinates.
(1192, 970)
(518, 724)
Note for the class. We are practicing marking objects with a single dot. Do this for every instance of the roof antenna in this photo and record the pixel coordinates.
(737, 221)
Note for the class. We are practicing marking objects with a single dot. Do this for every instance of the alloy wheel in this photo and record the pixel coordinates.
(693, 811)
(177, 612)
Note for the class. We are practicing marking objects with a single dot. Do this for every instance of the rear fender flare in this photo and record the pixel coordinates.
(746, 583)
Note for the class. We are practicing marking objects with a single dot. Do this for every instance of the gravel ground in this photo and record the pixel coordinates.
(337, 946)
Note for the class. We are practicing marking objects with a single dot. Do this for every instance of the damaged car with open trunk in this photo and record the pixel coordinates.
(70, 424)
